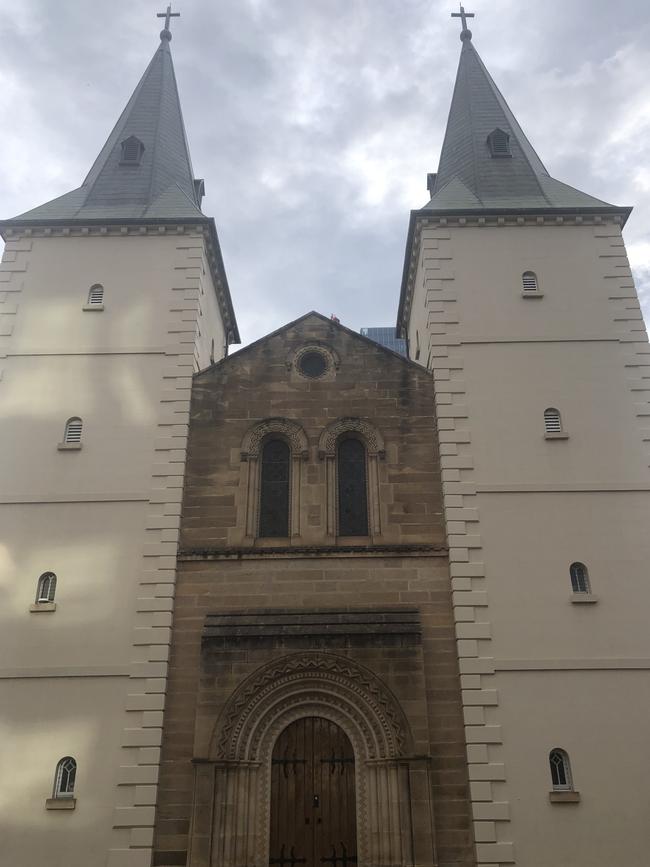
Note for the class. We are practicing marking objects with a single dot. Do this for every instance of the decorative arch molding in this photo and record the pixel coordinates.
(232, 805)
(290, 430)
(376, 451)
(251, 447)
(372, 437)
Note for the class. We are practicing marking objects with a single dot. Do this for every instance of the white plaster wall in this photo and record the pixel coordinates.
(105, 519)
(537, 670)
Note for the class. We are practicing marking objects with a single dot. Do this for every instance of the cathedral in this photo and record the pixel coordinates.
(313, 603)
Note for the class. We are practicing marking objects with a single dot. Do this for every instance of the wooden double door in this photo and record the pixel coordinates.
(313, 804)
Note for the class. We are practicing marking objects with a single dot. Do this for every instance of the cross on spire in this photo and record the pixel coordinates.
(168, 15)
(465, 33)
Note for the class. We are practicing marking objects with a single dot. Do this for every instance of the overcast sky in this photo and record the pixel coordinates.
(315, 122)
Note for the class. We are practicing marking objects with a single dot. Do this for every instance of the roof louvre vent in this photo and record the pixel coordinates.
(132, 150)
(499, 143)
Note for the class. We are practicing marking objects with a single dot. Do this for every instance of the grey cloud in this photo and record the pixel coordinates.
(315, 124)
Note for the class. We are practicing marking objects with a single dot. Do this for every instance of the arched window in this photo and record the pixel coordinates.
(66, 772)
(96, 295)
(529, 281)
(46, 587)
(352, 487)
(274, 489)
(552, 421)
(561, 778)
(72, 432)
(579, 578)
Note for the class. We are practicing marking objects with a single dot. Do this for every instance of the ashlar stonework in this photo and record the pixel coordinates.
(356, 631)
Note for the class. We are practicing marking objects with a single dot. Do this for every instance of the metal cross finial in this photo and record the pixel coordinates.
(465, 33)
(168, 15)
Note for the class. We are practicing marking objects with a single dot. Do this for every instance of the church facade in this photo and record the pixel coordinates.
(313, 603)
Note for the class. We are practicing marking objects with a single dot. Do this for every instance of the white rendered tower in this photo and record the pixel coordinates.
(517, 294)
(111, 296)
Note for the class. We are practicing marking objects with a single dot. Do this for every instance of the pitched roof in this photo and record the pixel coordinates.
(469, 177)
(162, 185)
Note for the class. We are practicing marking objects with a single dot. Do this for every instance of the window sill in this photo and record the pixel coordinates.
(90, 307)
(531, 294)
(559, 435)
(564, 797)
(60, 803)
(577, 598)
(41, 607)
(69, 447)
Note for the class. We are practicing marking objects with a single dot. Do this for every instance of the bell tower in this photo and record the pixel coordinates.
(517, 295)
(111, 297)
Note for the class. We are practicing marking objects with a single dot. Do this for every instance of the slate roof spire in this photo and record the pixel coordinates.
(144, 170)
(486, 160)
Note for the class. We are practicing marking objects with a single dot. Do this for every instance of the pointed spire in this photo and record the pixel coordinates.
(486, 160)
(144, 169)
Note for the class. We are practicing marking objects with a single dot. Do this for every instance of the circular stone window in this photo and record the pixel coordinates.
(312, 364)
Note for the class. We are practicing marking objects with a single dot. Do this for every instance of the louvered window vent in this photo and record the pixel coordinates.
(73, 431)
(499, 143)
(529, 281)
(46, 587)
(552, 421)
(96, 294)
(132, 150)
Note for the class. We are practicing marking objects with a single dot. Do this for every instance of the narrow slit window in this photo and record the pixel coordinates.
(529, 281)
(46, 587)
(73, 430)
(561, 779)
(96, 295)
(579, 578)
(552, 421)
(417, 345)
(352, 488)
(274, 493)
(64, 779)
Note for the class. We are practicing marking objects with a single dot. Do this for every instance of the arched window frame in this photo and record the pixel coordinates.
(530, 285)
(46, 588)
(560, 768)
(351, 435)
(95, 299)
(375, 452)
(65, 778)
(579, 574)
(250, 453)
(274, 437)
(72, 434)
(553, 424)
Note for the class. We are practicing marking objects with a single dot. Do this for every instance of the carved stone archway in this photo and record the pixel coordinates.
(232, 805)
(376, 451)
(296, 439)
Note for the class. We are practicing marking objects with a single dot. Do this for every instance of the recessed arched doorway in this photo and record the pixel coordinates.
(313, 796)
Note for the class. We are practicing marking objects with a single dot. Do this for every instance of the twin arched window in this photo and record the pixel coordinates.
(64, 778)
(351, 488)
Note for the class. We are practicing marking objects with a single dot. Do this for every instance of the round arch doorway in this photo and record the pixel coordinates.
(313, 800)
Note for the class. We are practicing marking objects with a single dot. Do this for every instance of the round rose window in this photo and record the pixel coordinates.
(312, 364)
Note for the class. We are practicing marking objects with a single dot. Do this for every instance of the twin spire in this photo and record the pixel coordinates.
(144, 170)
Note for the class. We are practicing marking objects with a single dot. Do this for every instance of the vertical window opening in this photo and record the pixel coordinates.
(579, 578)
(73, 429)
(560, 770)
(552, 421)
(352, 488)
(274, 494)
(529, 281)
(96, 294)
(66, 772)
(46, 587)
